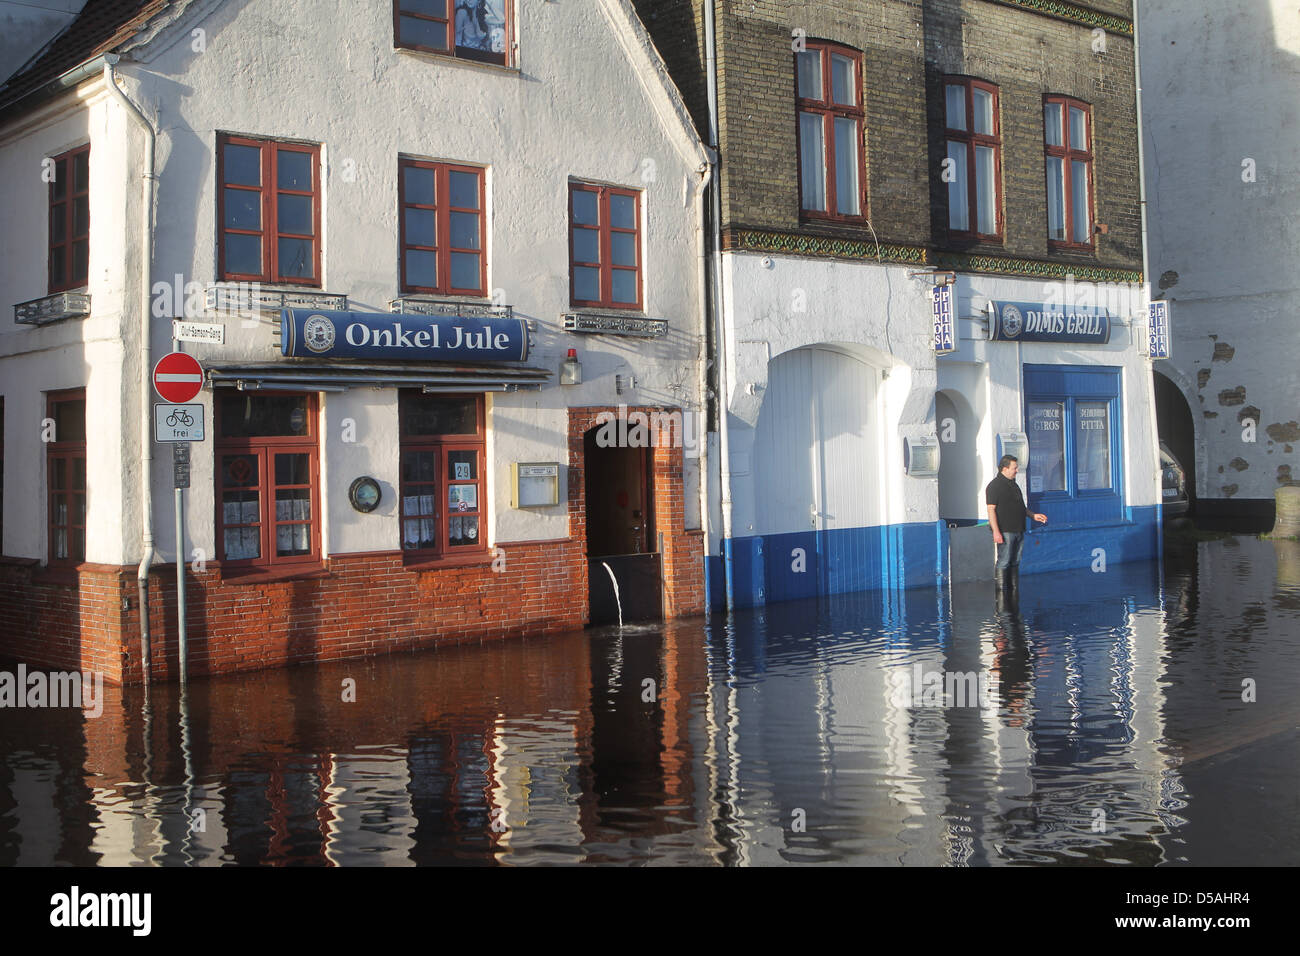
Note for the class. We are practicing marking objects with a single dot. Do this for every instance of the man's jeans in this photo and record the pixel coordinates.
(1009, 550)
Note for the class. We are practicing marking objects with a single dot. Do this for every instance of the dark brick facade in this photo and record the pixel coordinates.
(908, 46)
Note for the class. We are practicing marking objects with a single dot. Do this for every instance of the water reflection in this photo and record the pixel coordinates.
(1115, 731)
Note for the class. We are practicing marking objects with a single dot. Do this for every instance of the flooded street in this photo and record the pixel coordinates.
(1106, 719)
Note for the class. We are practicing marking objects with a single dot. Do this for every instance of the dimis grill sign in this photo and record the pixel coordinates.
(403, 338)
(1033, 322)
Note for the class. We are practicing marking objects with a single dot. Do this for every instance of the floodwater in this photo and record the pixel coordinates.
(1145, 715)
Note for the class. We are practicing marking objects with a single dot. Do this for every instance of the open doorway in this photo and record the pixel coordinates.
(623, 559)
(961, 503)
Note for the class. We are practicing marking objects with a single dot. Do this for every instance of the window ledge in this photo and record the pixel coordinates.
(302, 572)
(462, 61)
(417, 562)
(64, 574)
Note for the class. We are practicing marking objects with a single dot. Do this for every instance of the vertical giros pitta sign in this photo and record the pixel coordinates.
(311, 333)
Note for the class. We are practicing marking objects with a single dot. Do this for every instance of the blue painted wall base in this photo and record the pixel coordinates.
(804, 564)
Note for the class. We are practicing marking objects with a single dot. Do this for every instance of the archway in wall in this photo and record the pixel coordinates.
(816, 444)
(1176, 428)
(959, 480)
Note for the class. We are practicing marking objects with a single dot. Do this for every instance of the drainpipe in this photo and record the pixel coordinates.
(148, 180)
(1146, 281)
(719, 316)
(702, 380)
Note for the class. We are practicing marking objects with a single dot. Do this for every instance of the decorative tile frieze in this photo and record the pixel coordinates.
(1075, 14)
(750, 240)
(1033, 268)
(754, 240)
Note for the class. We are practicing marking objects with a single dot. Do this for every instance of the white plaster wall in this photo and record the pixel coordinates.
(1221, 86)
(874, 312)
(585, 103)
(989, 376)
(70, 354)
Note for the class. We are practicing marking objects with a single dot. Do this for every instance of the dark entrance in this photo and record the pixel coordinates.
(1174, 423)
(621, 536)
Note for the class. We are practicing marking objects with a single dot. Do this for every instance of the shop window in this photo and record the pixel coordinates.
(604, 246)
(974, 159)
(828, 79)
(442, 502)
(268, 205)
(467, 29)
(1067, 141)
(442, 228)
(1072, 419)
(268, 480)
(65, 474)
(69, 259)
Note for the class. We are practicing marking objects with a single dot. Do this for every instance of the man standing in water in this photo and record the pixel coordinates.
(1007, 519)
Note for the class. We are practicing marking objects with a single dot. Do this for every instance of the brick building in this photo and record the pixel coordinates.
(388, 240)
(884, 163)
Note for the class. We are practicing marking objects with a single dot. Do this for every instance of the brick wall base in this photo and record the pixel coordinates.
(360, 605)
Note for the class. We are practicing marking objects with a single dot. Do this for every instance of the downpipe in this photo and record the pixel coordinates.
(148, 183)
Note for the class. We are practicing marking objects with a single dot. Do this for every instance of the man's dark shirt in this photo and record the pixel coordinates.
(1005, 494)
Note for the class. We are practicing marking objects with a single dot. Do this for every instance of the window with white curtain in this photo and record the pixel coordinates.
(973, 162)
(1067, 142)
(828, 80)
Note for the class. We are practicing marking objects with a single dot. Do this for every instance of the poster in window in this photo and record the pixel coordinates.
(1092, 445)
(1046, 421)
(462, 497)
(481, 25)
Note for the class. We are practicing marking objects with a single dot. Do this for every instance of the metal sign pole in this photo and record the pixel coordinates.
(183, 648)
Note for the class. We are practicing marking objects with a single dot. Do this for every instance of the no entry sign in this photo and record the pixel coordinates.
(177, 377)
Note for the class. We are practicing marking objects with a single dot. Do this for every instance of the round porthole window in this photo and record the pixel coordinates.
(364, 494)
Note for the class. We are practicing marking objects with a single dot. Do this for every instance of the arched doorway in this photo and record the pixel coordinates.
(959, 479)
(816, 462)
(1176, 428)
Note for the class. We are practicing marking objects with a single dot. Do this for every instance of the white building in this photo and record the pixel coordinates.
(527, 169)
(1220, 96)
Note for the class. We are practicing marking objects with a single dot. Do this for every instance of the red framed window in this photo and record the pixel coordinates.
(442, 228)
(1067, 137)
(973, 168)
(828, 80)
(268, 479)
(70, 220)
(268, 206)
(65, 471)
(469, 29)
(604, 246)
(442, 459)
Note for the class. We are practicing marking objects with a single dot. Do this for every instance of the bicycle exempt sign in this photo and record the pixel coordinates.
(178, 422)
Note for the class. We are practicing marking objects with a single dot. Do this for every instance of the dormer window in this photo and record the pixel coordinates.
(468, 29)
